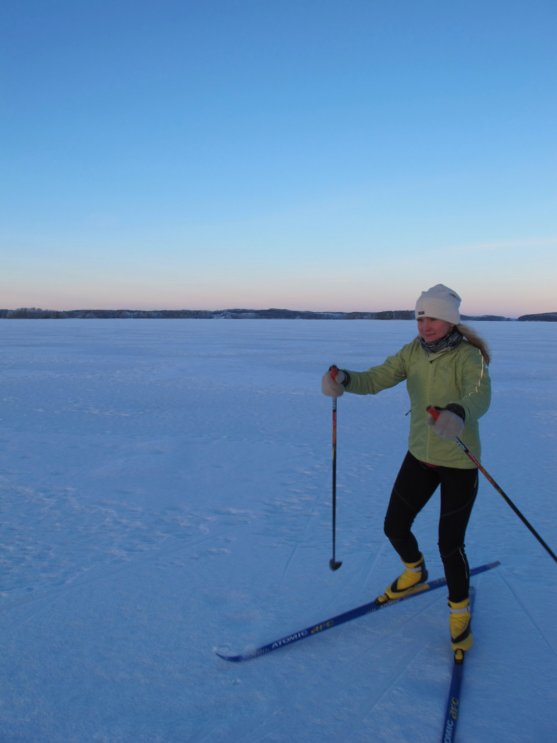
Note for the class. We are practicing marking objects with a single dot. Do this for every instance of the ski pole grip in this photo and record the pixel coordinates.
(333, 371)
(433, 412)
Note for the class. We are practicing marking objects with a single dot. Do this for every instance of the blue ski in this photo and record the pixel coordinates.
(452, 710)
(346, 616)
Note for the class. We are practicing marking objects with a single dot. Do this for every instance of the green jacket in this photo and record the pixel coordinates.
(458, 375)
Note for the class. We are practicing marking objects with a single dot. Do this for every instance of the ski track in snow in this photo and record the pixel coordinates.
(524, 606)
(165, 489)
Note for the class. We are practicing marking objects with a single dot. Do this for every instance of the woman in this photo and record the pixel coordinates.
(446, 367)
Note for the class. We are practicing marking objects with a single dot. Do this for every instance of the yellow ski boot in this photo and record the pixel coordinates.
(460, 625)
(411, 580)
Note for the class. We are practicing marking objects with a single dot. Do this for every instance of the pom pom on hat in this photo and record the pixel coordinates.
(439, 302)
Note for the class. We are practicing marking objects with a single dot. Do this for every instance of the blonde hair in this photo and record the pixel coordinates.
(475, 340)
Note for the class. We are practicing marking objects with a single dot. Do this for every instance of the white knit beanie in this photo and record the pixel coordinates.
(439, 302)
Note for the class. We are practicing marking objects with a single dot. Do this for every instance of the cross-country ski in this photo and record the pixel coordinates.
(347, 616)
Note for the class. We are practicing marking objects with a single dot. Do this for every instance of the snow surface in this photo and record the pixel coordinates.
(166, 490)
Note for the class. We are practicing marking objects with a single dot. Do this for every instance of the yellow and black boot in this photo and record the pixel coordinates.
(460, 625)
(408, 582)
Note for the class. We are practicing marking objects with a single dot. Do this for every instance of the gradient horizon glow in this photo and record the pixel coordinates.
(301, 155)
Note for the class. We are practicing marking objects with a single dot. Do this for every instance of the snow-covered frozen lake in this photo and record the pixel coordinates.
(166, 490)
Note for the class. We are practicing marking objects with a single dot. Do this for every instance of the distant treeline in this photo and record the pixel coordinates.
(34, 313)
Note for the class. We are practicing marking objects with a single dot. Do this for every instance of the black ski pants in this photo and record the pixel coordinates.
(415, 484)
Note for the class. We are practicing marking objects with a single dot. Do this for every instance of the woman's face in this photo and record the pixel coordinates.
(431, 329)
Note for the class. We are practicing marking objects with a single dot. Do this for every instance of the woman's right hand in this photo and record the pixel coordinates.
(331, 384)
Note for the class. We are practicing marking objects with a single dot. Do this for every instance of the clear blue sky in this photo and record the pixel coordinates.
(309, 154)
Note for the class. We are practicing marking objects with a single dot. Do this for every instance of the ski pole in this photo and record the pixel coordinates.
(434, 412)
(334, 564)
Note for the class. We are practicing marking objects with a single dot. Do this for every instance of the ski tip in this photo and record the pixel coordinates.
(494, 564)
(229, 658)
(247, 654)
(224, 653)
